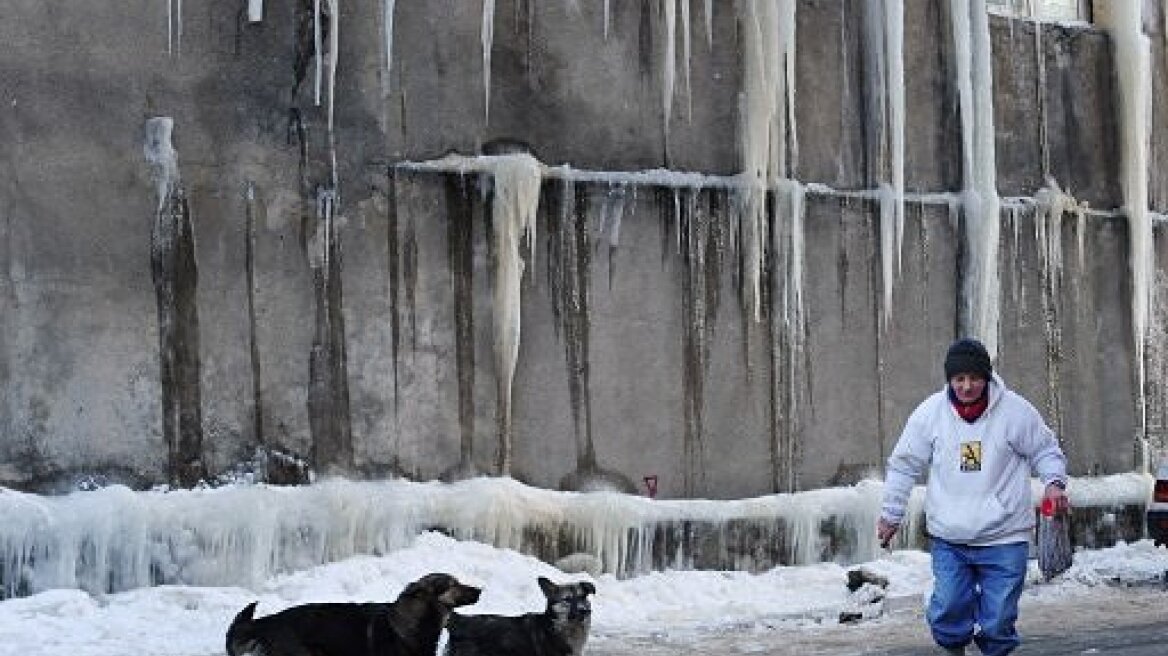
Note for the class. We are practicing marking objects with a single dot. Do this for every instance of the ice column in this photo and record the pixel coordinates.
(971, 37)
(1124, 19)
(513, 212)
(255, 11)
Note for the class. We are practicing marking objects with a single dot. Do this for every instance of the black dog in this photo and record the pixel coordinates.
(561, 630)
(410, 626)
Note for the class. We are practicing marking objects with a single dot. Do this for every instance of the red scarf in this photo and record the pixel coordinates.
(970, 411)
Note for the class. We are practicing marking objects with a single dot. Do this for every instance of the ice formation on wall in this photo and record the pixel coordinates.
(709, 6)
(387, 13)
(1124, 18)
(767, 131)
(517, 181)
(114, 539)
(174, 272)
(161, 156)
(487, 36)
(971, 36)
(669, 66)
(174, 26)
(333, 52)
(884, 22)
(1052, 205)
(318, 52)
(325, 12)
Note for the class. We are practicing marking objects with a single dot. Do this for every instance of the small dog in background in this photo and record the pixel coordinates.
(410, 626)
(560, 630)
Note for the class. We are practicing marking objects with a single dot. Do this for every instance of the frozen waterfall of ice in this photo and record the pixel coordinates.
(115, 539)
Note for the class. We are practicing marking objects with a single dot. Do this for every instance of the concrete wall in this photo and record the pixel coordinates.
(352, 363)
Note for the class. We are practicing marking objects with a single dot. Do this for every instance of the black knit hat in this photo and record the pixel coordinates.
(968, 356)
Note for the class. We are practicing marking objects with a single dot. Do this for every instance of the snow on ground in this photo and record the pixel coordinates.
(679, 607)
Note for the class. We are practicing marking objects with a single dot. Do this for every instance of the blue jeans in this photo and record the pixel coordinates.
(977, 587)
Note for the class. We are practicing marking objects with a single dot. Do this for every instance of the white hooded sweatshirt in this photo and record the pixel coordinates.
(978, 491)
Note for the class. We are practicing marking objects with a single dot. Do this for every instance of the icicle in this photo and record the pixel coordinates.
(334, 54)
(1124, 19)
(767, 116)
(614, 212)
(709, 22)
(161, 156)
(894, 57)
(255, 11)
(975, 84)
(174, 26)
(669, 70)
(607, 18)
(388, 12)
(888, 198)
(1053, 205)
(513, 213)
(318, 46)
(488, 39)
(885, 29)
(795, 195)
(686, 53)
(1040, 100)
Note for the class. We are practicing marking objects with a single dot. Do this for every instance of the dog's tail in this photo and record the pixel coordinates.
(241, 633)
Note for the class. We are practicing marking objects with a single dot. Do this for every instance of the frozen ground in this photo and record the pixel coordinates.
(787, 610)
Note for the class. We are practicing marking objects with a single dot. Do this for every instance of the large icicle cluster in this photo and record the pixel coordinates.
(767, 132)
(1124, 18)
(115, 539)
(971, 36)
(885, 43)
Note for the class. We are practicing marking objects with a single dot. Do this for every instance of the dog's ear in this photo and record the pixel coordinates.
(547, 586)
(587, 587)
(434, 583)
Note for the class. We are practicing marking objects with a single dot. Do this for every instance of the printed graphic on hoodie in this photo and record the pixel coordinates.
(971, 456)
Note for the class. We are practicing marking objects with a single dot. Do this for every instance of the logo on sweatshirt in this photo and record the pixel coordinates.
(971, 456)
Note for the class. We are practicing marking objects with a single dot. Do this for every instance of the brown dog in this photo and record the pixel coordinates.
(410, 626)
